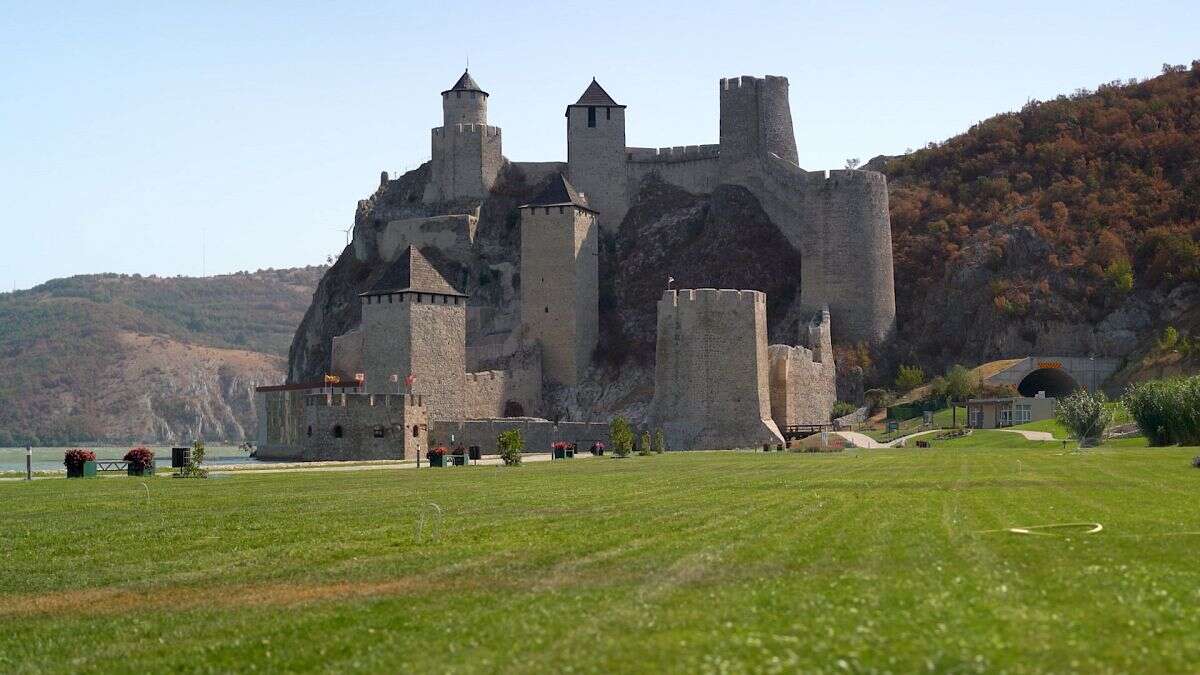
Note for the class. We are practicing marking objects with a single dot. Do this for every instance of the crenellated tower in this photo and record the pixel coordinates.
(559, 279)
(596, 157)
(466, 151)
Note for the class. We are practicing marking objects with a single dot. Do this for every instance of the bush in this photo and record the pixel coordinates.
(841, 409)
(645, 444)
(959, 383)
(1196, 462)
(909, 378)
(195, 468)
(660, 442)
(1085, 415)
(622, 436)
(1166, 411)
(140, 458)
(878, 399)
(510, 444)
(75, 457)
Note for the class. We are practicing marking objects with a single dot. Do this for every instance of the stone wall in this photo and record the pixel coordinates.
(450, 234)
(516, 391)
(464, 107)
(538, 434)
(347, 354)
(363, 427)
(693, 167)
(280, 419)
(803, 378)
(559, 287)
(756, 119)
(596, 161)
(711, 386)
(421, 334)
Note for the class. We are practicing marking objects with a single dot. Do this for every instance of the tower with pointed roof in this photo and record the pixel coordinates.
(466, 151)
(559, 279)
(596, 153)
(414, 322)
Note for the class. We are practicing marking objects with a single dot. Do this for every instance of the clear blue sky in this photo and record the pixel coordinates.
(134, 136)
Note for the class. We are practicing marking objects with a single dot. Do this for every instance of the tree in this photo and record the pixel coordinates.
(960, 383)
(660, 441)
(909, 378)
(852, 163)
(622, 436)
(510, 445)
(645, 449)
(1085, 415)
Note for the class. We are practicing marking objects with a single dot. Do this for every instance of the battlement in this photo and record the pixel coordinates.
(756, 119)
(482, 130)
(837, 177)
(360, 400)
(750, 81)
(679, 153)
(683, 296)
(488, 376)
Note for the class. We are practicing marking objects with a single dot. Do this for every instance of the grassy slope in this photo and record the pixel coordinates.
(684, 562)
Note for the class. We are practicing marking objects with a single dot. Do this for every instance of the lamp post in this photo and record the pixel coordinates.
(28, 462)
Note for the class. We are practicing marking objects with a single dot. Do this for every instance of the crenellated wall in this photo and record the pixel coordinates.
(691, 167)
(513, 392)
(452, 234)
(711, 388)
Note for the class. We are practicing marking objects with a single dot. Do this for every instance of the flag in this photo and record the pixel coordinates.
(408, 381)
(359, 377)
(395, 377)
(332, 379)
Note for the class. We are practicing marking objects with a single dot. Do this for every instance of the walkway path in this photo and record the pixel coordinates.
(489, 460)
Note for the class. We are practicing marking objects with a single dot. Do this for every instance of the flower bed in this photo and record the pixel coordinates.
(141, 461)
(80, 463)
(436, 456)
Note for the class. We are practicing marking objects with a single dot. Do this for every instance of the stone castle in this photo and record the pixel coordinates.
(717, 383)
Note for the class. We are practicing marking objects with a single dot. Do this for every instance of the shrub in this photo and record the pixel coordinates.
(622, 436)
(1166, 411)
(841, 409)
(75, 457)
(1196, 462)
(1085, 415)
(140, 458)
(878, 399)
(660, 441)
(195, 468)
(959, 383)
(645, 444)
(510, 445)
(909, 378)
(439, 451)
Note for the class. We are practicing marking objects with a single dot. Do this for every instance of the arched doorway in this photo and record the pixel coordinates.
(514, 409)
(1056, 382)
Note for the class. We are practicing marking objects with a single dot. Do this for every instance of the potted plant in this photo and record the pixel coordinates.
(140, 461)
(80, 463)
(459, 456)
(562, 449)
(436, 456)
(597, 448)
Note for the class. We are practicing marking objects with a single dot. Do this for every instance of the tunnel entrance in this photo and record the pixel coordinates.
(1056, 382)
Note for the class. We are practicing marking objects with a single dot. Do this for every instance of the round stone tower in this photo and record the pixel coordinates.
(464, 103)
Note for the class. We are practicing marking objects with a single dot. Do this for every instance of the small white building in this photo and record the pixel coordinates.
(996, 413)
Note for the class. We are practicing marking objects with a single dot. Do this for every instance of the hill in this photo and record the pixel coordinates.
(131, 358)
(1070, 226)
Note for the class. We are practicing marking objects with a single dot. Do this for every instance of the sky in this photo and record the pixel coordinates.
(189, 138)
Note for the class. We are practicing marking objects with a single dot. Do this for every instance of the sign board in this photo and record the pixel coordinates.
(927, 417)
(893, 425)
(1049, 364)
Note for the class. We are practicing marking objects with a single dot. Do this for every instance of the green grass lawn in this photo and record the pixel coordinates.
(875, 560)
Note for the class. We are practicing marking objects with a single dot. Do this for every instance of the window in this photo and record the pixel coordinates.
(591, 116)
(416, 431)
(547, 310)
(1006, 418)
(608, 113)
(1024, 413)
(378, 431)
(337, 431)
(310, 430)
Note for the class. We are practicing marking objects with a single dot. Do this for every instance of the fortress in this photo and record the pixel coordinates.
(717, 383)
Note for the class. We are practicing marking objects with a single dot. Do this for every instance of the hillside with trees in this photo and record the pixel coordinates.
(133, 358)
(1070, 226)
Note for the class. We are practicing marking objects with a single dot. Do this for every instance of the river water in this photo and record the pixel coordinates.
(51, 459)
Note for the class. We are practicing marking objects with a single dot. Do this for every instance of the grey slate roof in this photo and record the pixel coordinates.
(411, 272)
(595, 95)
(559, 192)
(466, 83)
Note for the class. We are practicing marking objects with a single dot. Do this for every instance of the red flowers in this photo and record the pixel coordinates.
(75, 457)
(561, 445)
(140, 457)
(439, 450)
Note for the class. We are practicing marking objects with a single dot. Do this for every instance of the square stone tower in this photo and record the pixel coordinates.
(414, 322)
(596, 161)
(559, 279)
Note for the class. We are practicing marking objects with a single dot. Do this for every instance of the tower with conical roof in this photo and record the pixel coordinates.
(596, 153)
(559, 279)
(415, 324)
(466, 151)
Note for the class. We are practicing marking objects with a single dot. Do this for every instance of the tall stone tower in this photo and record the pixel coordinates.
(596, 153)
(466, 151)
(414, 322)
(559, 279)
(711, 386)
(756, 120)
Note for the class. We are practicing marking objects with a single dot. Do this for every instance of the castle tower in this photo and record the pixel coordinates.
(756, 120)
(711, 387)
(466, 151)
(804, 378)
(596, 153)
(559, 279)
(414, 322)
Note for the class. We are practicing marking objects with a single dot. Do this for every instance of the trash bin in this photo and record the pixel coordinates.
(475, 453)
(180, 457)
